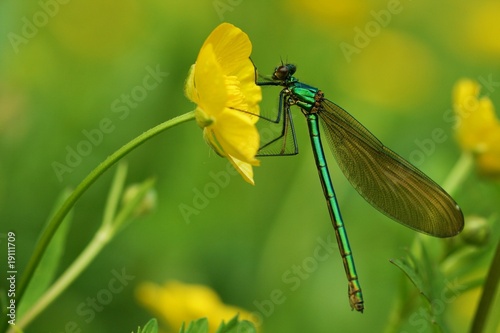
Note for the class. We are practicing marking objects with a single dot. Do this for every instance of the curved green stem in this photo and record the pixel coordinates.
(101, 238)
(488, 295)
(77, 193)
(458, 173)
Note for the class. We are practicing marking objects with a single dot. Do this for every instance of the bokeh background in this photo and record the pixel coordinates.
(63, 72)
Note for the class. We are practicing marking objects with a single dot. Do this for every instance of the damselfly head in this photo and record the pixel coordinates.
(284, 72)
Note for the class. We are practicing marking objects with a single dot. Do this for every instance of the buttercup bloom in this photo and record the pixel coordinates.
(222, 84)
(478, 128)
(176, 302)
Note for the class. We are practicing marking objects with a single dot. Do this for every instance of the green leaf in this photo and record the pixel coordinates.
(429, 280)
(408, 267)
(150, 327)
(233, 326)
(225, 328)
(197, 326)
(237, 326)
(46, 270)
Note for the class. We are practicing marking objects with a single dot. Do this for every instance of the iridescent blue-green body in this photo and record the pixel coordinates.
(309, 100)
(383, 178)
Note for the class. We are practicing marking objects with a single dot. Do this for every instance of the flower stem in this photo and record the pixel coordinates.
(101, 238)
(488, 295)
(77, 193)
(115, 193)
(458, 173)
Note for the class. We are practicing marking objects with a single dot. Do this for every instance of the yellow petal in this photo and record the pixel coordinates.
(247, 88)
(463, 90)
(175, 302)
(189, 89)
(211, 140)
(244, 169)
(209, 82)
(477, 118)
(236, 99)
(231, 46)
(489, 161)
(251, 91)
(478, 128)
(237, 135)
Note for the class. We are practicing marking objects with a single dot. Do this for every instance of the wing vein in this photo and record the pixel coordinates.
(386, 180)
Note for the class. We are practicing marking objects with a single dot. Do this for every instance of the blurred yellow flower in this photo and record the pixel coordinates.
(478, 128)
(176, 302)
(383, 70)
(222, 84)
(338, 16)
(479, 31)
(98, 29)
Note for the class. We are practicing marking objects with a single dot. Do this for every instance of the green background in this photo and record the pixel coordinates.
(63, 78)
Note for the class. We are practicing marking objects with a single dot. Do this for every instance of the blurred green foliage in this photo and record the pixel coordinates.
(77, 77)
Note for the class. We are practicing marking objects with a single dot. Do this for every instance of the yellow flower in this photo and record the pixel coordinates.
(338, 16)
(176, 302)
(478, 35)
(478, 128)
(222, 84)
